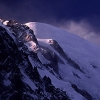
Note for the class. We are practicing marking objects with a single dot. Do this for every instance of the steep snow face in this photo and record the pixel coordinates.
(19, 77)
(40, 66)
(76, 60)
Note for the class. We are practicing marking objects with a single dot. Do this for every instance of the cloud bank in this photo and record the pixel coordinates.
(83, 29)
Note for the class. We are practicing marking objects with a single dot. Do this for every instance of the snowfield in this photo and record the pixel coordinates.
(83, 54)
(71, 63)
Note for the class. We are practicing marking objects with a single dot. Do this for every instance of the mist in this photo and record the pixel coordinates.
(81, 28)
(79, 17)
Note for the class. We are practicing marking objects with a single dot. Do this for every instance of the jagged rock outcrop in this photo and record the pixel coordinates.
(19, 79)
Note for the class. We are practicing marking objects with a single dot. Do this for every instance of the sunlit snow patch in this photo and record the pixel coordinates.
(5, 22)
(32, 26)
(32, 46)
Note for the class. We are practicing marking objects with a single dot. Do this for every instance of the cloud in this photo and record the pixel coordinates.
(83, 29)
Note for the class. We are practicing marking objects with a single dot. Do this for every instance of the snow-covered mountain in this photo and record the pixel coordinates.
(42, 62)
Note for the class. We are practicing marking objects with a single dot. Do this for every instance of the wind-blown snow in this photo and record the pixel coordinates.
(84, 53)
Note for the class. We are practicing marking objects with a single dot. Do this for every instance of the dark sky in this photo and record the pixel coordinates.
(55, 12)
(45, 10)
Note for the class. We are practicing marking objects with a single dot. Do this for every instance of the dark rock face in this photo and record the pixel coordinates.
(15, 66)
(82, 92)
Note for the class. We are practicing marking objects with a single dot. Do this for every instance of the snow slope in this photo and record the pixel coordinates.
(19, 77)
(81, 52)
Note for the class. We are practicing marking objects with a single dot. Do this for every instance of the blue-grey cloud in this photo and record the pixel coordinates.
(83, 29)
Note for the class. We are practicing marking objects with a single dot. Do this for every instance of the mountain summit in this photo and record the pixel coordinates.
(42, 62)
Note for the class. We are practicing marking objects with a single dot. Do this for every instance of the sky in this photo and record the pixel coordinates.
(81, 17)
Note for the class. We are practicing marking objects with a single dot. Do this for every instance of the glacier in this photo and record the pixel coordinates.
(42, 51)
(84, 53)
